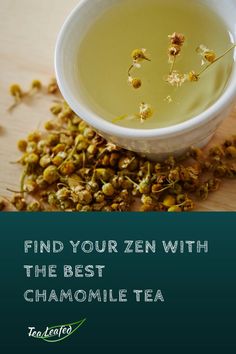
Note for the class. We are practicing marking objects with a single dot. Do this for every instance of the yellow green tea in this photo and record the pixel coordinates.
(105, 56)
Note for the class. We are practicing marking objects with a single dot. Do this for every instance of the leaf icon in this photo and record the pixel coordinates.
(51, 339)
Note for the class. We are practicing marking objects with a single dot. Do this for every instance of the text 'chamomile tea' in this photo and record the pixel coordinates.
(152, 64)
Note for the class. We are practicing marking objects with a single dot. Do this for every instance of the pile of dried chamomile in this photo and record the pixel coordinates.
(69, 167)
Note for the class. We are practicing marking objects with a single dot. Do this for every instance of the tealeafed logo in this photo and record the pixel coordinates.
(57, 333)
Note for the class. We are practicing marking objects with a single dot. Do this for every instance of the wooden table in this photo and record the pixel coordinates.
(28, 31)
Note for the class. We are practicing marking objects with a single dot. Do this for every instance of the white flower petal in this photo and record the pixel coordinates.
(137, 65)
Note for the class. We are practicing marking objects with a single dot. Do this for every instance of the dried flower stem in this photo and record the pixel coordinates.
(129, 70)
(172, 66)
(167, 187)
(14, 191)
(118, 119)
(22, 180)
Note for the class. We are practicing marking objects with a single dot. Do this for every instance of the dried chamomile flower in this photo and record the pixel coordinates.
(175, 78)
(193, 76)
(59, 148)
(181, 198)
(31, 159)
(36, 85)
(134, 82)
(22, 145)
(188, 205)
(49, 125)
(67, 168)
(222, 170)
(41, 183)
(207, 54)
(110, 147)
(203, 191)
(19, 202)
(45, 161)
(217, 151)
(174, 209)
(169, 201)
(231, 151)
(146, 199)
(52, 200)
(34, 206)
(56, 109)
(214, 184)
(92, 186)
(52, 86)
(65, 114)
(52, 139)
(148, 204)
(108, 189)
(50, 174)
(42, 147)
(99, 197)
(173, 51)
(30, 186)
(176, 43)
(16, 92)
(145, 112)
(139, 55)
(85, 197)
(31, 147)
(92, 149)
(89, 133)
(177, 38)
(34, 136)
(124, 162)
(144, 186)
(63, 194)
(86, 209)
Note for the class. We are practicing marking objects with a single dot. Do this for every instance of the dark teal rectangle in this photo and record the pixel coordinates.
(198, 315)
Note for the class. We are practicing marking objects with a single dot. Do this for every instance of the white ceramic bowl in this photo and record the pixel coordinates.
(155, 143)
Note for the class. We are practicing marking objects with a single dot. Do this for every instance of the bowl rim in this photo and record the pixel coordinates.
(100, 124)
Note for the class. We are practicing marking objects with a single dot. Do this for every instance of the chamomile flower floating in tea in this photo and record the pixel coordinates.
(134, 82)
(138, 56)
(175, 78)
(177, 39)
(193, 76)
(206, 54)
(145, 112)
(212, 59)
(176, 42)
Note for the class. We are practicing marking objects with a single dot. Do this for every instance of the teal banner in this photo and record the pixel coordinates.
(118, 283)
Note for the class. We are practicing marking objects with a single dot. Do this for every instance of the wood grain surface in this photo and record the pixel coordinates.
(28, 31)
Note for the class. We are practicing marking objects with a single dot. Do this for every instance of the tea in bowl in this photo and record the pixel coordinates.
(151, 76)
